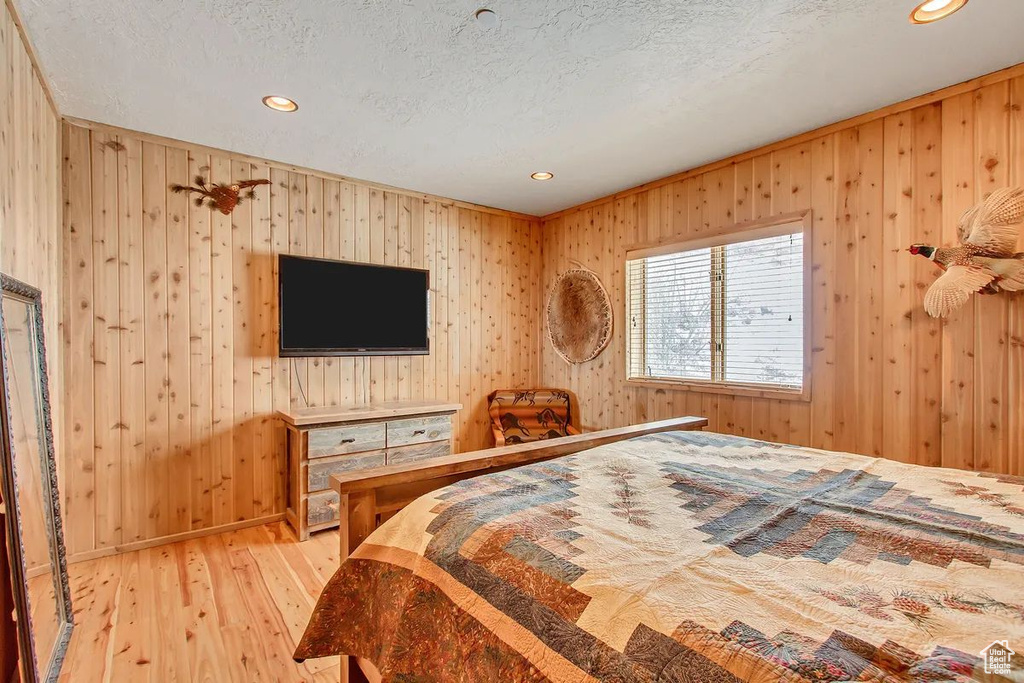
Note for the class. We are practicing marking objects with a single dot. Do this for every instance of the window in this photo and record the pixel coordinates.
(724, 313)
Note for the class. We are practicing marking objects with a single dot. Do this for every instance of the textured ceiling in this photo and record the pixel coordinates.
(414, 93)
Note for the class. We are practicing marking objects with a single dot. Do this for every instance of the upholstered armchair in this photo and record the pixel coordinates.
(523, 415)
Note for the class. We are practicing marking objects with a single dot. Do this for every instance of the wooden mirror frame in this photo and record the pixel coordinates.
(30, 670)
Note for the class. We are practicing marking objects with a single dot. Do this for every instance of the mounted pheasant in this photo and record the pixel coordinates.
(224, 198)
(987, 258)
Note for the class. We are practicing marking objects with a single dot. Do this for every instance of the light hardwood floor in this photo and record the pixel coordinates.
(229, 607)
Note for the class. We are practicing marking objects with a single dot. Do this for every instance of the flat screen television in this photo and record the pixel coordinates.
(340, 308)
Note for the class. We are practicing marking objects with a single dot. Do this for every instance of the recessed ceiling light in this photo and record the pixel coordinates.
(278, 103)
(542, 175)
(486, 18)
(933, 10)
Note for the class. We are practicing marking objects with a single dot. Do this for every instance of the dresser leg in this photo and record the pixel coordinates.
(301, 531)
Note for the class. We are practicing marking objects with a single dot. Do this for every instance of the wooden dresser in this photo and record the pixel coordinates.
(330, 440)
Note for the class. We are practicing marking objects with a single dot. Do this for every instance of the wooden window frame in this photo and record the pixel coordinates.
(716, 240)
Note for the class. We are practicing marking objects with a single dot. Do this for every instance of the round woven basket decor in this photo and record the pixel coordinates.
(579, 316)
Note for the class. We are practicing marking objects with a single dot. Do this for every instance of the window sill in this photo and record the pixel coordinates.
(733, 389)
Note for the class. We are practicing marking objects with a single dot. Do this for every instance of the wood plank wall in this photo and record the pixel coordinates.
(30, 186)
(887, 380)
(29, 230)
(172, 373)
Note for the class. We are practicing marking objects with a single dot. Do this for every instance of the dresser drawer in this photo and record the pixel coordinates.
(325, 441)
(319, 471)
(403, 454)
(419, 430)
(322, 507)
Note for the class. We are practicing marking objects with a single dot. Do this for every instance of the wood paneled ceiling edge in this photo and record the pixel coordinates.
(16, 18)
(888, 110)
(896, 108)
(248, 158)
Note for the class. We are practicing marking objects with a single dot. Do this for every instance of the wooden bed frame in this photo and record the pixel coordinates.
(370, 497)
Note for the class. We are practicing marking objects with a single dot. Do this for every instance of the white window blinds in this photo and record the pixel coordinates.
(731, 314)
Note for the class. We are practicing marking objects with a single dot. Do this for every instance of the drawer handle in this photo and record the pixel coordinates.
(347, 441)
(419, 432)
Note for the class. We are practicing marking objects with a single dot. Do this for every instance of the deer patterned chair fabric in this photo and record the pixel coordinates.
(519, 416)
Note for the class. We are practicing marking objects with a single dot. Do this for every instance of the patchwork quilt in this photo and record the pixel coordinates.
(691, 556)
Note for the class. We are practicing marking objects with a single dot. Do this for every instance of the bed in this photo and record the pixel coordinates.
(663, 555)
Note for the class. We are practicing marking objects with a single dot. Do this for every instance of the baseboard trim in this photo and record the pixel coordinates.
(173, 538)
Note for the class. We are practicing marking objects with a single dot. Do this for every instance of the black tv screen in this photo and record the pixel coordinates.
(339, 308)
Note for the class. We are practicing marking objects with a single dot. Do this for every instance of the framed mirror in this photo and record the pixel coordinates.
(35, 538)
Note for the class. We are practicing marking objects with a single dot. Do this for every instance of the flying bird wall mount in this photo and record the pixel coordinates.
(986, 260)
(218, 196)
